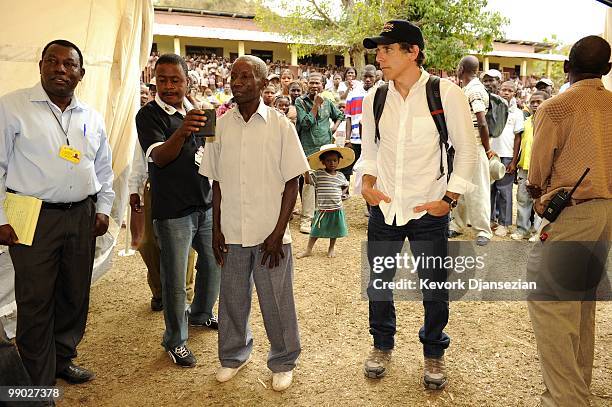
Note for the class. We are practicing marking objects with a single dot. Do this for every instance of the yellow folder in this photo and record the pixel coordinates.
(22, 213)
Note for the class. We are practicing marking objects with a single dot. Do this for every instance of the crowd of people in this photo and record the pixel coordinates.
(429, 158)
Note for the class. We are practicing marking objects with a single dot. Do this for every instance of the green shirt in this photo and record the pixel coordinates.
(315, 132)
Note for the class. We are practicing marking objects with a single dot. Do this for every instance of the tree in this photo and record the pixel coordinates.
(556, 73)
(452, 28)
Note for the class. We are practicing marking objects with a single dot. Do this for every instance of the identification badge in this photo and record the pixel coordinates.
(70, 154)
(198, 156)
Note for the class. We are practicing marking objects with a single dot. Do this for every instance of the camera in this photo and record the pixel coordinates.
(209, 128)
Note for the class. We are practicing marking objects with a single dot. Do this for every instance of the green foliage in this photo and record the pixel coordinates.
(452, 28)
(556, 73)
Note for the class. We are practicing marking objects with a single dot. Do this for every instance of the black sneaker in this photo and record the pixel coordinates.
(182, 356)
(157, 304)
(211, 323)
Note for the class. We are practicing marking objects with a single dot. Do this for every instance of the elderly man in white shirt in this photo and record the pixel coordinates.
(254, 162)
(410, 197)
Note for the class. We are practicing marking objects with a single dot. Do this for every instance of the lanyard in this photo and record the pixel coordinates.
(60, 123)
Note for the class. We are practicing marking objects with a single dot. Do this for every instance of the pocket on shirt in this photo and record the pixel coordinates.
(424, 130)
(93, 145)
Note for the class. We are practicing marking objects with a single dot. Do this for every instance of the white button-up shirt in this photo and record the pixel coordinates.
(406, 161)
(252, 161)
(30, 141)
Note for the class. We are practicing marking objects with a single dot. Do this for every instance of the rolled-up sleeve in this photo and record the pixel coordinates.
(293, 161)
(461, 136)
(209, 167)
(305, 119)
(104, 172)
(369, 149)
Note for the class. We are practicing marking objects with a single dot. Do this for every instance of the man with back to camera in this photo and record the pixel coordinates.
(180, 204)
(572, 132)
(410, 198)
(54, 148)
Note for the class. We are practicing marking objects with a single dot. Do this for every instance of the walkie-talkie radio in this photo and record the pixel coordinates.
(560, 201)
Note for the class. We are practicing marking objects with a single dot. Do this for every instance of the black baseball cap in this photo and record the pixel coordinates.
(395, 31)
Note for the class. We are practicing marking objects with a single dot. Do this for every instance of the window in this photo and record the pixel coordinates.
(317, 60)
(192, 50)
(339, 60)
(266, 56)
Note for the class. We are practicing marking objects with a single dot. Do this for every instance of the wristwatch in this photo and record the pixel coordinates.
(450, 201)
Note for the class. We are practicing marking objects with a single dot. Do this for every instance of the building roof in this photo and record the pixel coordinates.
(183, 22)
(526, 55)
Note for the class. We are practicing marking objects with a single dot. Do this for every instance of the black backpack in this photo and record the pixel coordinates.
(434, 101)
(497, 115)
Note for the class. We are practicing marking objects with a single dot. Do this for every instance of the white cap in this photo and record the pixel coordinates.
(497, 169)
(545, 81)
(494, 73)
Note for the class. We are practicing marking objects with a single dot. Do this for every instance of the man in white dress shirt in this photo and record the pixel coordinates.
(410, 198)
(254, 162)
(54, 147)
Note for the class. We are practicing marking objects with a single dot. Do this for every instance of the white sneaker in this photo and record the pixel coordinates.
(517, 236)
(534, 238)
(227, 373)
(282, 380)
(501, 231)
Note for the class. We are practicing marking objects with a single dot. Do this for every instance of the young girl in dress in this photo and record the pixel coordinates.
(329, 221)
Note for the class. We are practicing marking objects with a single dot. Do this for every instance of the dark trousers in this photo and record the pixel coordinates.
(501, 197)
(52, 281)
(428, 236)
(348, 171)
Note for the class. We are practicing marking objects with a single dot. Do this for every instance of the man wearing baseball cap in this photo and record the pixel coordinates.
(545, 85)
(410, 197)
(491, 80)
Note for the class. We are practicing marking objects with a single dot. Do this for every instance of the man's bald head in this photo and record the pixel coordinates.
(469, 64)
(590, 55)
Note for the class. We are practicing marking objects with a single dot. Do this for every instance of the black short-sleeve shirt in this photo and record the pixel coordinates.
(176, 189)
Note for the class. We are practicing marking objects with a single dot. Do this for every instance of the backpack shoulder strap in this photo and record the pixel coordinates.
(378, 106)
(434, 101)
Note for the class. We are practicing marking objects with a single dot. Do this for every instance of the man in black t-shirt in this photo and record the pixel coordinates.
(181, 204)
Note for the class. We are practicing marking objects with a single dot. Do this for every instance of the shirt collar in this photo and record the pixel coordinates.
(473, 82)
(38, 94)
(171, 110)
(262, 110)
(592, 83)
(421, 82)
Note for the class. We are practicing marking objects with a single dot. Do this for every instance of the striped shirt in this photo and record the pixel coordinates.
(478, 97)
(354, 103)
(328, 189)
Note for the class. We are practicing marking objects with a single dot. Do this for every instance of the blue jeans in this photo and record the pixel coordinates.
(175, 236)
(501, 197)
(428, 236)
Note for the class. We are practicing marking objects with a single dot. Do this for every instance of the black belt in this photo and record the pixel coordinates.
(61, 205)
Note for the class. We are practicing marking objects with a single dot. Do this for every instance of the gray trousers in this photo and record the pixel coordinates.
(275, 292)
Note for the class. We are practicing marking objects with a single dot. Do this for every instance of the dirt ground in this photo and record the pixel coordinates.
(492, 360)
